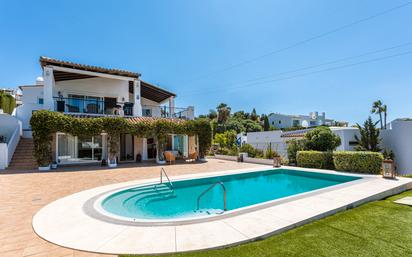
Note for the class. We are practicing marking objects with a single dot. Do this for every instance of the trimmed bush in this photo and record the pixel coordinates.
(314, 159)
(362, 162)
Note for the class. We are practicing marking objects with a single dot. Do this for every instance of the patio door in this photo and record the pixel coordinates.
(126, 147)
(151, 149)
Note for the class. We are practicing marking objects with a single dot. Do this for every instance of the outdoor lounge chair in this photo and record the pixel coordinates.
(170, 157)
(192, 156)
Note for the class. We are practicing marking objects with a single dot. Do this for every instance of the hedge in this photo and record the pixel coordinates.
(7, 102)
(314, 159)
(362, 162)
(44, 123)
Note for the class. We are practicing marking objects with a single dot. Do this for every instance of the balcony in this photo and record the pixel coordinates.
(96, 106)
(167, 112)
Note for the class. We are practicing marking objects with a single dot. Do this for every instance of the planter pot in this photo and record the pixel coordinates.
(112, 163)
(202, 159)
(277, 162)
(54, 166)
(44, 168)
(160, 162)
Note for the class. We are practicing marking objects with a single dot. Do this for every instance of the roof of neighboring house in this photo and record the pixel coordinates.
(296, 133)
(50, 61)
(154, 93)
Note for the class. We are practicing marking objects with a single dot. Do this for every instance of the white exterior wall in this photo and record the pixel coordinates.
(98, 87)
(262, 140)
(30, 98)
(11, 129)
(286, 121)
(154, 106)
(398, 138)
(346, 134)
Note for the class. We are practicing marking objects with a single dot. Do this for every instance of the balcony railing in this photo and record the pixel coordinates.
(92, 106)
(166, 112)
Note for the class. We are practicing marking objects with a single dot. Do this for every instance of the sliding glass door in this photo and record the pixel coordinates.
(72, 149)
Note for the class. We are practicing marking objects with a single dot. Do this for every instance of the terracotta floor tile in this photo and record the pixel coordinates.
(23, 193)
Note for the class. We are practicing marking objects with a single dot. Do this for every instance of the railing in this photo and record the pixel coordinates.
(166, 112)
(210, 188)
(92, 106)
(13, 142)
(162, 171)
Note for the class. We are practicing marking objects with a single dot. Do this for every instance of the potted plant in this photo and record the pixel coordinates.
(54, 165)
(277, 160)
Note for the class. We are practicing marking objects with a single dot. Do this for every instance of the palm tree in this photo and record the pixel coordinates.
(385, 114)
(377, 108)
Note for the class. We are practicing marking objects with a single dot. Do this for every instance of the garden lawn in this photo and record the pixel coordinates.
(380, 228)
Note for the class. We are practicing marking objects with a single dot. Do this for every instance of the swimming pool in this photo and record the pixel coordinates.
(214, 195)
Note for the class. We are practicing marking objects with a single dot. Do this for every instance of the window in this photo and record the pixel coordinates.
(296, 123)
(40, 101)
(131, 87)
(147, 113)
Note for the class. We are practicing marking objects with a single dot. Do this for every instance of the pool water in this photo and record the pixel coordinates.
(163, 201)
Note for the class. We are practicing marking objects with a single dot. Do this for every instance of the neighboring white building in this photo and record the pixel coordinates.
(89, 91)
(277, 139)
(282, 121)
(347, 137)
(398, 138)
(265, 139)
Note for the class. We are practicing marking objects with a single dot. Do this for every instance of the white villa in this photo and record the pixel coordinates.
(88, 91)
(283, 121)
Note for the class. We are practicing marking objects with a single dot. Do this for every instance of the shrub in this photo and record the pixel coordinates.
(7, 102)
(314, 159)
(294, 146)
(322, 139)
(251, 151)
(44, 123)
(362, 162)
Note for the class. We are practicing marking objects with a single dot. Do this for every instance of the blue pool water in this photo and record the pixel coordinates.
(161, 201)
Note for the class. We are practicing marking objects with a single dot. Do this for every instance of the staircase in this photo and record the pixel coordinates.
(145, 195)
(23, 157)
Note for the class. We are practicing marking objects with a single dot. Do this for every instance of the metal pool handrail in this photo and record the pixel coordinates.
(162, 171)
(208, 189)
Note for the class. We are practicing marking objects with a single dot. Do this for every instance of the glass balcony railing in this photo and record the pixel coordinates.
(166, 112)
(93, 106)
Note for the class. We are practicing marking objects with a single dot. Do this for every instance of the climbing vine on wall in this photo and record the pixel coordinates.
(44, 123)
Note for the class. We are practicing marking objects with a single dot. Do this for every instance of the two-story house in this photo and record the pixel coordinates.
(314, 119)
(89, 91)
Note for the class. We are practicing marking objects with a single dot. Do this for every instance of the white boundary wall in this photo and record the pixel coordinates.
(398, 138)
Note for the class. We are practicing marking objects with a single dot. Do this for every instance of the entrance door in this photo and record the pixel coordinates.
(151, 148)
(126, 147)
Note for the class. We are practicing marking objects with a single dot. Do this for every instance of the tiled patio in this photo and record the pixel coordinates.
(23, 193)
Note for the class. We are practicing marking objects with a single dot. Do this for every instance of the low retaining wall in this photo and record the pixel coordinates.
(245, 159)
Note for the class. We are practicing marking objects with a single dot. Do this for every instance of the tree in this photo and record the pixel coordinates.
(251, 126)
(266, 124)
(212, 114)
(226, 139)
(385, 114)
(223, 113)
(378, 107)
(369, 136)
(322, 139)
(235, 124)
(253, 115)
(294, 146)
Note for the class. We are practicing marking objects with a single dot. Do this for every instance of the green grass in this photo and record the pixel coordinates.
(380, 228)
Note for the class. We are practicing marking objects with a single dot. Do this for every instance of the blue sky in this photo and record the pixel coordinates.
(189, 46)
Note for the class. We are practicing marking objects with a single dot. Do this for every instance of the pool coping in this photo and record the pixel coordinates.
(94, 209)
(64, 222)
